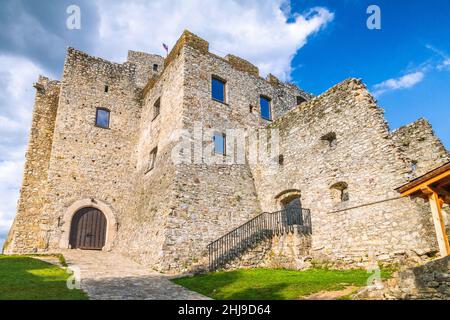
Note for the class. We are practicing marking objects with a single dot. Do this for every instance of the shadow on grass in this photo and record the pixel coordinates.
(272, 284)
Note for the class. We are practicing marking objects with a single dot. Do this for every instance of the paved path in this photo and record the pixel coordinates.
(110, 276)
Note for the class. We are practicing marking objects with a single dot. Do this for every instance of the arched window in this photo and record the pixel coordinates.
(339, 192)
(102, 118)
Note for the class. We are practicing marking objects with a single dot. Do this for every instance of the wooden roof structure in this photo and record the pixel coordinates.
(433, 186)
(437, 179)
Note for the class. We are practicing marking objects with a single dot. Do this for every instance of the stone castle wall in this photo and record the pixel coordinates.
(145, 228)
(166, 216)
(213, 199)
(89, 162)
(27, 234)
(366, 159)
(423, 150)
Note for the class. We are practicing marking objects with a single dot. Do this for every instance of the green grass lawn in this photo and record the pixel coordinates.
(271, 284)
(25, 278)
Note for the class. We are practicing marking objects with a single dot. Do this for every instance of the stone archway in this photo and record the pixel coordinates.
(71, 211)
(88, 229)
(288, 198)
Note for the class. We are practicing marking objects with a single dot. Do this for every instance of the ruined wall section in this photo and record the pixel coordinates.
(421, 147)
(89, 162)
(362, 156)
(28, 233)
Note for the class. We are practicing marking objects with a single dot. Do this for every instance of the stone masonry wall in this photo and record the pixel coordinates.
(430, 281)
(366, 159)
(421, 147)
(144, 228)
(287, 251)
(26, 234)
(89, 162)
(144, 63)
(213, 199)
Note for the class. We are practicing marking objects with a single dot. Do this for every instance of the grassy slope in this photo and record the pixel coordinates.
(25, 278)
(269, 284)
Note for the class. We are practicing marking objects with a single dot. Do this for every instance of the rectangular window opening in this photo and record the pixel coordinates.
(102, 118)
(266, 112)
(219, 143)
(218, 89)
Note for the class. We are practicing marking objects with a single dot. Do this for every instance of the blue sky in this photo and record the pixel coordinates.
(313, 43)
(404, 45)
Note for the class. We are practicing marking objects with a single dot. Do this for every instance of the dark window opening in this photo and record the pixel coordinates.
(152, 160)
(300, 100)
(340, 192)
(218, 89)
(155, 67)
(156, 108)
(265, 108)
(330, 138)
(106, 89)
(219, 143)
(293, 208)
(102, 118)
(281, 159)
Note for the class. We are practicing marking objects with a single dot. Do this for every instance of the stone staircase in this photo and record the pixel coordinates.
(247, 236)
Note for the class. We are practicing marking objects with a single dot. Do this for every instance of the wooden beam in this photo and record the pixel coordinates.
(426, 184)
(436, 210)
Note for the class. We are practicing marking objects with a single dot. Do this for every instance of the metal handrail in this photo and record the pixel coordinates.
(263, 226)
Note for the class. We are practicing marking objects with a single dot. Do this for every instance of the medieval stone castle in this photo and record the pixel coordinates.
(99, 172)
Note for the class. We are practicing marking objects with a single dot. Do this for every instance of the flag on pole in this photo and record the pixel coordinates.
(166, 47)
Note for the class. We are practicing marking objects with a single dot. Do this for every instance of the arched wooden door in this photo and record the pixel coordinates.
(88, 229)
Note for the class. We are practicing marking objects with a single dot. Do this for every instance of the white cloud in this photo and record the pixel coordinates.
(445, 65)
(405, 82)
(255, 30)
(16, 102)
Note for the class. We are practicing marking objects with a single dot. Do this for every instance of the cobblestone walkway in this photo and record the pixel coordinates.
(109, 276)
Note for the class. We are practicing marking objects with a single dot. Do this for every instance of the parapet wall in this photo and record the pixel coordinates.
(421, 147)
(148, 66)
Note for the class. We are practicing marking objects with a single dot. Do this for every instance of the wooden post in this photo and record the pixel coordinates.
(436, 210)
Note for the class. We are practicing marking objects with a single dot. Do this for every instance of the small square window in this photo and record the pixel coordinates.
(156, 108)
(102, 118)
(300, 100)
(219, 143)
(152, 159)
(218, 89)
(265, 108)
(155, 67)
